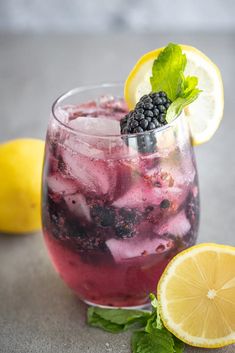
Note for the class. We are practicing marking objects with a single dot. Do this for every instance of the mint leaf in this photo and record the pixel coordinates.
(97, 321)
(189, 93)
(135, 338)
(154, 322)
(155, 305)
(159, 341)
(151, 337)
(178, 345)
(120, 316)
(157, 338)
(168, 75)
(116, 320)
(153, 300)
(181, 102)
(167, 71)
(189, 84)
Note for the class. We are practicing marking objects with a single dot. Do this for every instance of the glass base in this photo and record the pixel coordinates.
(145, 306)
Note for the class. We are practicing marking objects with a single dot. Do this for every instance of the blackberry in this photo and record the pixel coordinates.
(122, 220)
(103, 216)
(149, 114)
(69, 229)
(165, 204)
(91, 242)
(84, 238)
(74, 229)
(54, 217)
(125, 222)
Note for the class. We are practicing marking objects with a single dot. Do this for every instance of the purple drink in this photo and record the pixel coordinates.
(114, 216)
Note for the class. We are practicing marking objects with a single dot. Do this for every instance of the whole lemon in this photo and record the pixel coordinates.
(20, 185)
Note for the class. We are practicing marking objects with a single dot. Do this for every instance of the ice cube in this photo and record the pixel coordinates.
(85, 109)
(93, 175)
(113, 108)
(61, 185)
(78, 206)
(124, 177)
(167, 173)
(97, 135)
(127, 249)
(177, 225)
(175, 170)
(80, 145)
(96, 126)
(116, 108)
(142, 194)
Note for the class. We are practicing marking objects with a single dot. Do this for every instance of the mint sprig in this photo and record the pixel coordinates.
(168, 76)
(148, 332)
(118, 320)
(158, 341)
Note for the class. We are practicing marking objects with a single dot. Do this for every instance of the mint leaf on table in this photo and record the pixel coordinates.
(156, 334)
(135, 338)
(151, 336)
(178, 345)
(168, 76)
(159, 341)
(116, 320)
(167, 71)
(154, 322)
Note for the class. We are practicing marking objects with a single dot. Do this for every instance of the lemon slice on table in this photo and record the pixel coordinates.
(206, 112)
(196, 294)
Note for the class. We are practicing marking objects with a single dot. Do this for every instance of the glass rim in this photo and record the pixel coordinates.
(89, 87)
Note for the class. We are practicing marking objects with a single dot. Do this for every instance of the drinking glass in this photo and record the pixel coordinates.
(116, 208)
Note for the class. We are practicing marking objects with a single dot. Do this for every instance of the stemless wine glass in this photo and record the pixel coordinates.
(116, 208)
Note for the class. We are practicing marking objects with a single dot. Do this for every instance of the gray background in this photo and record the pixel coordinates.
(40, 57)
(112, 15)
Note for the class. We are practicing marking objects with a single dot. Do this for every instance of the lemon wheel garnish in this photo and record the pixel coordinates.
(206, 112)
(196, 294)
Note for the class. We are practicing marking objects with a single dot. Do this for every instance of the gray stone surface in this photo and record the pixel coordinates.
(38, 313)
